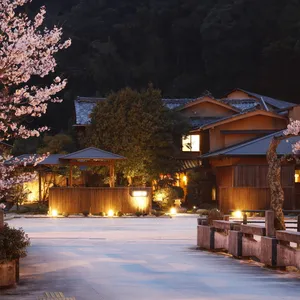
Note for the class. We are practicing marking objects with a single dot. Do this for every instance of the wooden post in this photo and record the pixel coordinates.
(112, 175)
(71, 176)
(298, 228)
(226, 218)
(40, 186)
(269, 219)
(245, 220)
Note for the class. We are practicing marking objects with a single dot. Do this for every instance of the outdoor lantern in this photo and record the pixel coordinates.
(173, 211)
(237, 214)
(138, 193)
(54, 213)
(110, 213)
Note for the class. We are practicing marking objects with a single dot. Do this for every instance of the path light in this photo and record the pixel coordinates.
(54, 213)
(237, 214)
(173, 211)
(110, 213)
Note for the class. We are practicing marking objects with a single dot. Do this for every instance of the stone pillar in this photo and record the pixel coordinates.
(270, 229)
(206, 237)
(268, 252)
(235, 246)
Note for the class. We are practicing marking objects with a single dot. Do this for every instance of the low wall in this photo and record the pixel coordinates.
(273, 248)
(95, 200)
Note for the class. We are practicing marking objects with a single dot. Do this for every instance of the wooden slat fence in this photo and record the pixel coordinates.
(95, 200)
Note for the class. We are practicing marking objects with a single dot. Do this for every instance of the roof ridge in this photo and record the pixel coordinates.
(243, 144)
(92, 148)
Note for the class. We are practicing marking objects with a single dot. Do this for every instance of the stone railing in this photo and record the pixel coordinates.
(273, 248)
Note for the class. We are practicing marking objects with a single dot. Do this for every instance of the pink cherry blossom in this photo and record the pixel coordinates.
(26, 51)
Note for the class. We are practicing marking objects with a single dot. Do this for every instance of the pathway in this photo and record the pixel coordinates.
(136, 259)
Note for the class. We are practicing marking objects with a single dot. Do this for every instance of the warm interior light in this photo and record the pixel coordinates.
(140, 203)
(110, 213)
(237, 214)
(173, 211)
(296, 177)
(139, 193)
(184, 179)
(54, 213)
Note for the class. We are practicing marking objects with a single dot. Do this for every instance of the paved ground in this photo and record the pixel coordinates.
(136, 259)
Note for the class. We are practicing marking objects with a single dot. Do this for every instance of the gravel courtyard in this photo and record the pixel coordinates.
(136, 259)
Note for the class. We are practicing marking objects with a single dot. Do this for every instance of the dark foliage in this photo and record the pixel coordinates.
(183, 46)
(13, 243)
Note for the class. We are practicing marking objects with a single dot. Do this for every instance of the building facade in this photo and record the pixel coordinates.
(223, 157)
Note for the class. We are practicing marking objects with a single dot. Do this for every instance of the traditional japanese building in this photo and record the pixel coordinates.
(223, 157)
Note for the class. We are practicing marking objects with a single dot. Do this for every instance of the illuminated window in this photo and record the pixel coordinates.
(191, 143)
(297, 175)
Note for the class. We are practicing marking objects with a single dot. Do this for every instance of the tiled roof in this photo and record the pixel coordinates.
(173, 103)
(83, 108)
(199, 122)
(92, 153)
(256, 147)
(57, 159)
(277, 104)
(188, 164)
(52, 159)
(264, 102)
(242, 104)
(85, 105)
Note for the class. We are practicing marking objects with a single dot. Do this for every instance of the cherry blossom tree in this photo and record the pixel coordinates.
(26, 51)
(274, 170)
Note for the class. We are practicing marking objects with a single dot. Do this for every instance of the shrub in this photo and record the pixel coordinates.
(138, 213)
(41, 209)
(214, 214)
(165, 197)
(65, 214)
(119, 214)
(158, 213)
(13, 243)
(85, 213)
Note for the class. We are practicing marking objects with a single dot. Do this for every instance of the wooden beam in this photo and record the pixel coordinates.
(71, 176)
(40, 186)
(91, 163)
(112, 175)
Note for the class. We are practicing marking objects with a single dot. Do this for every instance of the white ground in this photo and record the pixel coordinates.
(136, 259)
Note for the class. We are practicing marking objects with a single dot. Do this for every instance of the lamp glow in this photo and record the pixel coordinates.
(237, 214)
(173, 211)
(184, 179)
(139, 193)
(110, 213)
(54, 213)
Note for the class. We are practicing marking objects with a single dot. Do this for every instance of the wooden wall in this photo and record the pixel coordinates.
(96, 200)
(245, 187)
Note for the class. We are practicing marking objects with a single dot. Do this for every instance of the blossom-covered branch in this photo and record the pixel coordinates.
(26, 50)
(293, 128)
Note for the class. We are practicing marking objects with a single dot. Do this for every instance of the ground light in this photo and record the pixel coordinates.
(54, 213)
(110, 213)
(173, 211)
(237, 214)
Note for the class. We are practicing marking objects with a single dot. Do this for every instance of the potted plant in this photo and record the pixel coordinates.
(13, 244)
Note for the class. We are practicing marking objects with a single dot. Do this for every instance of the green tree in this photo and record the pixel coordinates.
(138, 126)
(57, 144)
